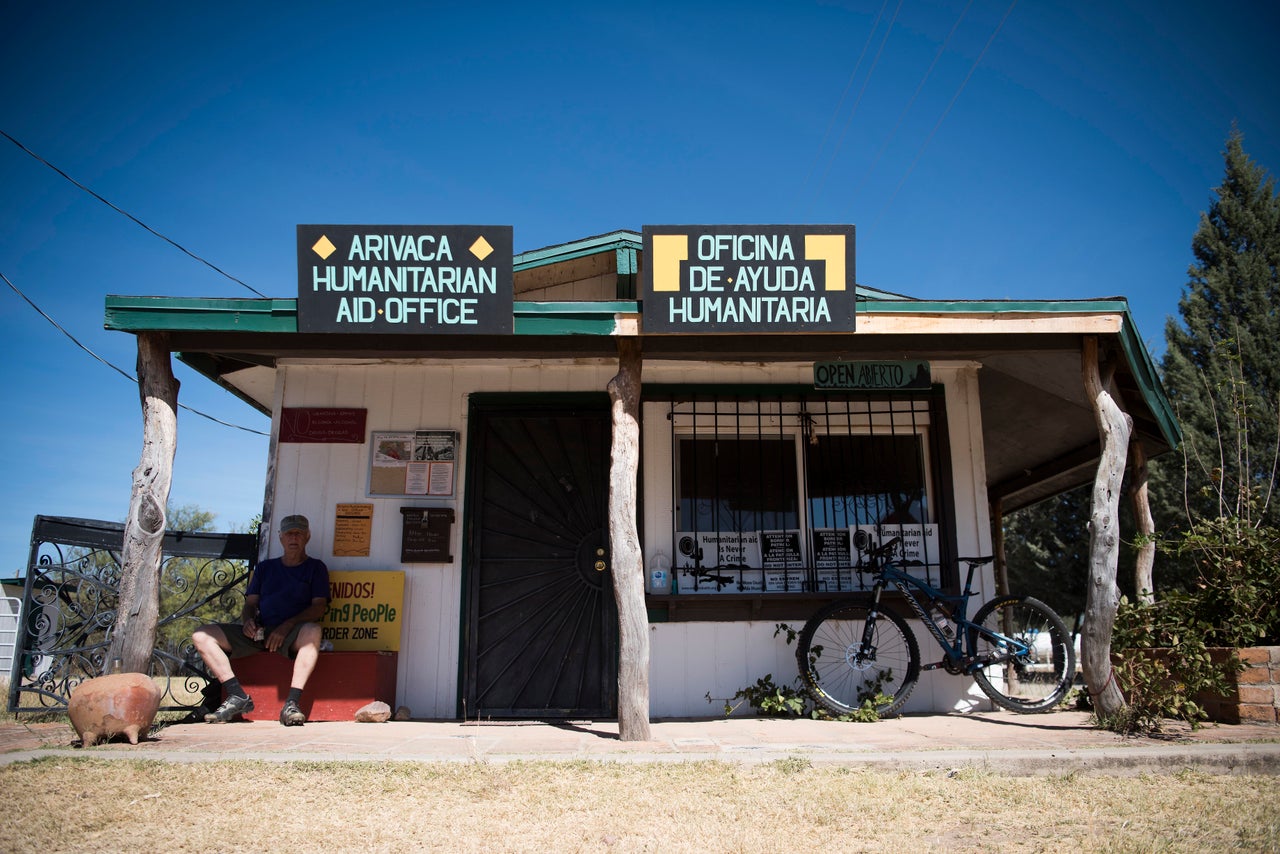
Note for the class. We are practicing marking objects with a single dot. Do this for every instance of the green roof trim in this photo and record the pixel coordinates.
(204, 314)
(1105, 305)
(150, 314)
(195, 314)
(616, 240)
(157, 314)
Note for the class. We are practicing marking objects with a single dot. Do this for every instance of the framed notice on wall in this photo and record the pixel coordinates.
(412, 462)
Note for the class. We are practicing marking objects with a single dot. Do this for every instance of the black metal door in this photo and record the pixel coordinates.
(542, 625)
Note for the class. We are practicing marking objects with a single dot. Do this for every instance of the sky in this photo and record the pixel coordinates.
(1040, 150)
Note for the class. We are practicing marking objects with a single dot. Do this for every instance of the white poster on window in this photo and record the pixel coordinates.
(919, 543)
(718, 562)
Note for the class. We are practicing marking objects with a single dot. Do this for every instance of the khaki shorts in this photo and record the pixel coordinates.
(242, 646)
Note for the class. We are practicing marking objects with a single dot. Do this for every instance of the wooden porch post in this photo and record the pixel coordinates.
(134, 633)
(624, 541)
(1103, 597)
(1143, 578)
(997, 547)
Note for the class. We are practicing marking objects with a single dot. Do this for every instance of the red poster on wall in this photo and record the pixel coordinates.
(322, 425)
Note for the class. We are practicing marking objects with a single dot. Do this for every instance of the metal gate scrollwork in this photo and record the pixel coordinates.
(70, 600)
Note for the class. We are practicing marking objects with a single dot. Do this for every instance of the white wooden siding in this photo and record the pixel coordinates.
(688, 660)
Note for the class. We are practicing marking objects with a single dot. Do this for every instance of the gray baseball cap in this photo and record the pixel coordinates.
(297, 522)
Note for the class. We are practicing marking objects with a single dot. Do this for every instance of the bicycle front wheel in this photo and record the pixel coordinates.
(842, 674)
(1036, 680)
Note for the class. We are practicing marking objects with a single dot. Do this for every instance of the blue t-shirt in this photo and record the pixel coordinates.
(286, 591)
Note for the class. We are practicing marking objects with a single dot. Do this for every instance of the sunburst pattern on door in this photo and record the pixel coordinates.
(542, 635)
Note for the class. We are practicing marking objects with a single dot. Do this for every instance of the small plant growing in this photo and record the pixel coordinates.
(773, 700)
(770, 699)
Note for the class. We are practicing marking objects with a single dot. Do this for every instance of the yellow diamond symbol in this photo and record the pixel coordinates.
(323, 247)
(481, 248)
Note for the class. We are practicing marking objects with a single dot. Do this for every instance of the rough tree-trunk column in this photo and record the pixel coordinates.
(624, 541)
(1143, 578)
(134, 633)
(1103, 598)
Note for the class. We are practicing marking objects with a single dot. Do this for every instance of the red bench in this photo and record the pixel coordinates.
(341, 684)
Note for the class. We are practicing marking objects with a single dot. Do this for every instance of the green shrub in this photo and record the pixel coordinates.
(1161, 651)
(1162, 663)
(1238, 575)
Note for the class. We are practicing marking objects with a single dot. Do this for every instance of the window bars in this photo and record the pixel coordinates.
(769, 486)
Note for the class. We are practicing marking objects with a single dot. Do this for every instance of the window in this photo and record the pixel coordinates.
(768, 490)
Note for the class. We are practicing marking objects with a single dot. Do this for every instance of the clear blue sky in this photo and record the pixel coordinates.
(1072, 161)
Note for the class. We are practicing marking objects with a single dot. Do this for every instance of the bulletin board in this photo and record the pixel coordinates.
(412, 462)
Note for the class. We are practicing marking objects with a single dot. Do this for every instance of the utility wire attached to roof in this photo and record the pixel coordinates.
(121, 371)
(118, 210)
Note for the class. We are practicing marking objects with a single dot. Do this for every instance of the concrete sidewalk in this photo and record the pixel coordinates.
(1056, 743)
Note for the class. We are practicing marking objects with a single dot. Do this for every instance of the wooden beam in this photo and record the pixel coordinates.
(138, 609)
(1144, 564)
(1103, 597)
(624, 542)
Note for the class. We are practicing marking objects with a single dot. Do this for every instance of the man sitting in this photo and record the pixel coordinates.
(283, 606)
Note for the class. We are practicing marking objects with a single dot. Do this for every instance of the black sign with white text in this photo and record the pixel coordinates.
(410, 279)
(748, 278)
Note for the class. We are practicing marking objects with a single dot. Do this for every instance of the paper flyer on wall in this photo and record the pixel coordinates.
(413, 462)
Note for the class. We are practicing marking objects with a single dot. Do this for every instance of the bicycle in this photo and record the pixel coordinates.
(854, 651)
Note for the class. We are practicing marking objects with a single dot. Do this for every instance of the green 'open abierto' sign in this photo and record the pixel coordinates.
(872, 376)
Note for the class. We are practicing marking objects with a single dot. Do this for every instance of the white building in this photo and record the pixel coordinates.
(751, 475)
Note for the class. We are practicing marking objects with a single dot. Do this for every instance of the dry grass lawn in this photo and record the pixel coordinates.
(72, 804)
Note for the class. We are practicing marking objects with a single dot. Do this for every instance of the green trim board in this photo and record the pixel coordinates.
(577, 249)
(216, 314)
(231, 315)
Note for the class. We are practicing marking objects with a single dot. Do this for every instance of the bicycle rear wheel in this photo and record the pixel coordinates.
(1036, 681)
(840, 675)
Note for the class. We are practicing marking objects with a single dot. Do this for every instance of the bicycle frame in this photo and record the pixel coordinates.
(961, 653)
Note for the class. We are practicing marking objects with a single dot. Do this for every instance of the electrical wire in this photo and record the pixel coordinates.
(840, 104)
(943, 117)
(125, 213)
(907, 109)
(130, 377)
(866, 82)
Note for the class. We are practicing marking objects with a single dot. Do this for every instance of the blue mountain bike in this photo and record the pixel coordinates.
(857, 650)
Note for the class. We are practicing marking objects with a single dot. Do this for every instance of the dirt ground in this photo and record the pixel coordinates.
(80, 804)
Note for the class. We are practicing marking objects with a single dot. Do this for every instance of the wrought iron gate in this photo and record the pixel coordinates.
(70, 599)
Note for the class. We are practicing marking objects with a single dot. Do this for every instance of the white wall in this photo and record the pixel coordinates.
(688, 660)
(730, 656)
(314, 478)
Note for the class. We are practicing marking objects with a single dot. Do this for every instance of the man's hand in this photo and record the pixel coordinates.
(251, 628)
(276, 639)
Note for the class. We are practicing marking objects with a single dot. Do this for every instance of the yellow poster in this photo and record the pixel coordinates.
(365, 610)
(352, 530)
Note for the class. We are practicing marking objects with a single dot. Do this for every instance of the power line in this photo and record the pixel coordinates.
(907, 109)
(840, 104)
(866, 82)
(941, 118)
(125, 213)
(130, 377)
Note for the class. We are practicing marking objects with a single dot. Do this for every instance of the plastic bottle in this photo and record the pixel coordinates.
(659, 575)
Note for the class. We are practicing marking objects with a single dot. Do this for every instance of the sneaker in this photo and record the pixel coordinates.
(291, 715)
(230, 708)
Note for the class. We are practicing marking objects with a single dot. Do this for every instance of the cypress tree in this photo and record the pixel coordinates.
(1222, 363)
